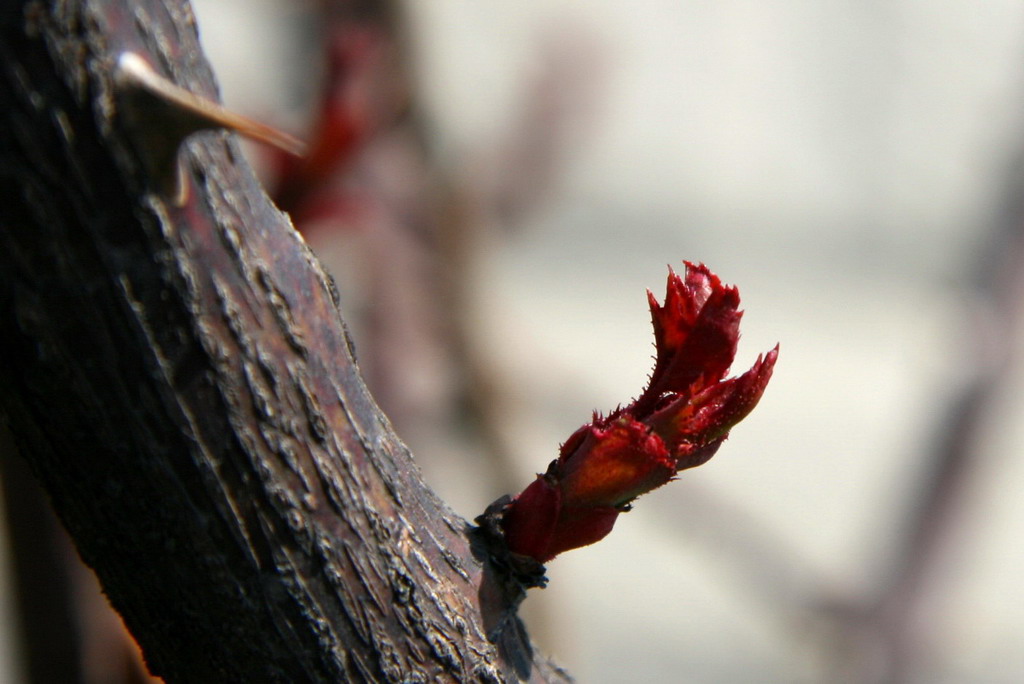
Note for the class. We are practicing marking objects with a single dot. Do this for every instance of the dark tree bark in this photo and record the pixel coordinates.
(180, 381)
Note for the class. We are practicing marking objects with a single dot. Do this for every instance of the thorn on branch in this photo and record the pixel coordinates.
(160, 115)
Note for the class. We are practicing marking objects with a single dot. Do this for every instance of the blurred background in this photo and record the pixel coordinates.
(494, 185)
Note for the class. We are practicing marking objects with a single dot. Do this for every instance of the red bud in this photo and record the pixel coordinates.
(679, 422)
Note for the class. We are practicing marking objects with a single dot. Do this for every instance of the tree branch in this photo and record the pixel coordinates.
(181, 382)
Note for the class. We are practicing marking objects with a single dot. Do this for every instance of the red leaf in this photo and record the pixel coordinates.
(613, 465)
(696, 332)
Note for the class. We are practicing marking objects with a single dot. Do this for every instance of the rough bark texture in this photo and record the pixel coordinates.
(181, 383)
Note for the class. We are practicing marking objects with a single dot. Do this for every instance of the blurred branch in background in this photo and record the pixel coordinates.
(409, 232)
(892, 636)
(416, 229)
